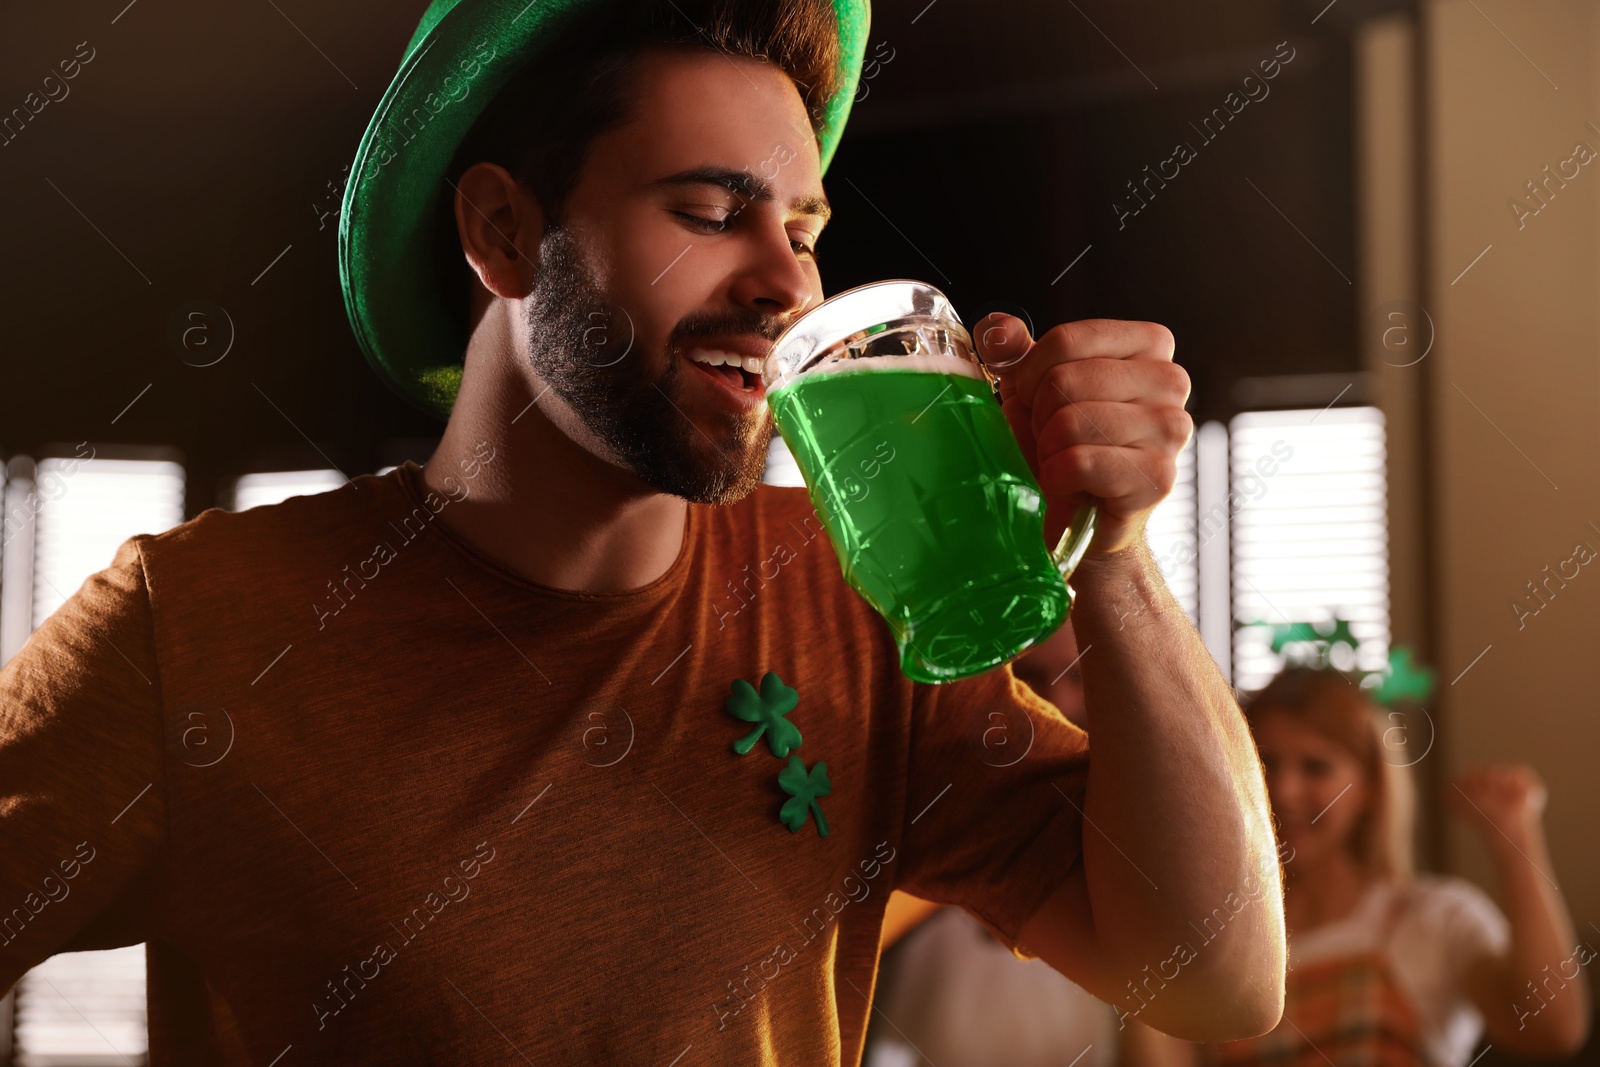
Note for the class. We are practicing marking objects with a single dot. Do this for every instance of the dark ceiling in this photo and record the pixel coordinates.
(192, 162)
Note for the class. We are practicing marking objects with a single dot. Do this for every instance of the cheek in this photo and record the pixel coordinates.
(648, 255)
(1343, 807)
(643, 315)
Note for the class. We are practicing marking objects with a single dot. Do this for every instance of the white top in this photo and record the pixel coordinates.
(1444, 926)
(963, 999)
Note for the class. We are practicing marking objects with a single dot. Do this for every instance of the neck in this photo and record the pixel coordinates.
(1323, 893)
(541, 505)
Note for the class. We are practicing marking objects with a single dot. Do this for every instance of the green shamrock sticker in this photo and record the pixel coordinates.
(767, 710)
(803, 788)
(1305, 633)
(1406, 679)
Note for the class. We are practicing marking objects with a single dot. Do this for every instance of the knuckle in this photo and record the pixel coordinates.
(1166, 474)
(1060, 431)
(1080, 332)
(1060, 376)
(1072, 424)
(1078, 461)
(1161, 339)
(1065, 337)
(1178, 383)
(1177, 425)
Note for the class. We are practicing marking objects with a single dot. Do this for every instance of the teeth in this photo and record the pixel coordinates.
(717, 358)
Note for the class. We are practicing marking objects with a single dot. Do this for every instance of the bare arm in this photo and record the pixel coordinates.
(1175, 913)
(1177, 832)
(1534, 999)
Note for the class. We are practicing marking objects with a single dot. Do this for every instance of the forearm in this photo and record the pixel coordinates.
(1178, 844)
(1548, 999)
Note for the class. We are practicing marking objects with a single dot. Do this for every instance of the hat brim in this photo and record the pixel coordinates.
(452, 70)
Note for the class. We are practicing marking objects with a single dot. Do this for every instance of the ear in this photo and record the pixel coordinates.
(499, 224)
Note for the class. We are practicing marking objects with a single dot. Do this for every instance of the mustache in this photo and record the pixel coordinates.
(696, 327)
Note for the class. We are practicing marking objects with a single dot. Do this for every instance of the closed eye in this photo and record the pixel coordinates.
(703, 224)
(715, 226)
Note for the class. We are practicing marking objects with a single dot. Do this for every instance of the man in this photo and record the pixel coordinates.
(440, 767)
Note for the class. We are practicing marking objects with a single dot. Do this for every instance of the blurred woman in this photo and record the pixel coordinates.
(1387, 967)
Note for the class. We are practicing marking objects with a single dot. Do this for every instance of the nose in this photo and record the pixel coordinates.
(773, 279)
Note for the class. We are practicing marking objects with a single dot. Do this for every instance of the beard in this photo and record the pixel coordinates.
(583, 346)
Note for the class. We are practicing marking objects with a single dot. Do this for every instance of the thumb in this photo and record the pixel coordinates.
(1002, 340)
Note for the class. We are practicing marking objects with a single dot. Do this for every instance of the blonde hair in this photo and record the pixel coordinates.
(1334, 705)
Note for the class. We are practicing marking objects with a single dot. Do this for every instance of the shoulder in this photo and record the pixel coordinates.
(1446, 892)
(1454, 912)
(303, 516)
(220, 552)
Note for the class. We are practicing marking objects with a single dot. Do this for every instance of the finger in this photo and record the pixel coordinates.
(1020, 419)
(1126, 479)
(1001, 340)
(1100, 378)
(1095, 422)
(1091, 338)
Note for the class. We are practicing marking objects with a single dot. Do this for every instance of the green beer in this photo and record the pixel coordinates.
(930, 506)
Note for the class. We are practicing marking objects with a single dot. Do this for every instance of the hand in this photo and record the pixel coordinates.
(1508, 797)
(1097, 406)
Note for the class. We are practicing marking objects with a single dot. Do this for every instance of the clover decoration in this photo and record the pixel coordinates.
(1311, 644)
(1307, 643)
(1405, 679)
(767, 710)
(804, 787)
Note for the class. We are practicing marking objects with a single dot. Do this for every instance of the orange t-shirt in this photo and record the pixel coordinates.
(370, 797)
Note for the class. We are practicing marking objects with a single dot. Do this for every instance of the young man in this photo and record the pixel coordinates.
(440, 766)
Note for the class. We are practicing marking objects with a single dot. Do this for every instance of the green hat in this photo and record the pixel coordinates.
(463, 53)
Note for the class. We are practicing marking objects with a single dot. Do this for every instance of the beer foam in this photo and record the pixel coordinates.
(926, 363)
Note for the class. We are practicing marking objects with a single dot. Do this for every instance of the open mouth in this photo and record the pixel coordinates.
(738, 379)
(732, 370)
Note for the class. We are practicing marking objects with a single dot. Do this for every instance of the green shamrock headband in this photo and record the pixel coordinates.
(1311, 644)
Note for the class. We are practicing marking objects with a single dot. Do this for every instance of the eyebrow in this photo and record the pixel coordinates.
(748, 185)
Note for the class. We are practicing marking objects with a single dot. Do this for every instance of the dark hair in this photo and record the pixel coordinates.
(542, 123)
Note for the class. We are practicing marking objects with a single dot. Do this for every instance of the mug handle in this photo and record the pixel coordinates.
(1075, 541)
(1076, 537)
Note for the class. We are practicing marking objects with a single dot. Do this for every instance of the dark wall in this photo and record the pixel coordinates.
(1014, 166)
(193, 167)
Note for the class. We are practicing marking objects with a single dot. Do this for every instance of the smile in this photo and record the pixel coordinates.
(740, 375)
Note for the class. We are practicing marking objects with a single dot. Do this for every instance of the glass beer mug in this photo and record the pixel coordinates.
(913, 470)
